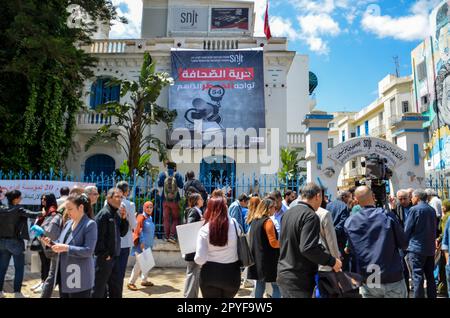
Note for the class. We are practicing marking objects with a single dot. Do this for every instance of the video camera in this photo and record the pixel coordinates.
(377, 176)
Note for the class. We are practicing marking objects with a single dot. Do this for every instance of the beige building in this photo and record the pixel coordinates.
(376, 120)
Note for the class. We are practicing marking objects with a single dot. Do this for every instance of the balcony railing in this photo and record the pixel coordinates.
(92, 120)
(220, 44)
(379, 131)
(296, 140)
(395, 120)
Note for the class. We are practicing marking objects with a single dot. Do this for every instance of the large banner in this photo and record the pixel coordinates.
(229, 19)
(32, 190)
(218, 93)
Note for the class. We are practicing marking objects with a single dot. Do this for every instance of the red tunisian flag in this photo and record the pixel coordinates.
(266, 23)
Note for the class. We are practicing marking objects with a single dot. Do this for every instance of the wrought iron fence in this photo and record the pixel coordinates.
(146, 188)
(440, 183)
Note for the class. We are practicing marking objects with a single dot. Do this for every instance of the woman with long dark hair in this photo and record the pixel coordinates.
(13, 232)
(51, 222)
(216, 251)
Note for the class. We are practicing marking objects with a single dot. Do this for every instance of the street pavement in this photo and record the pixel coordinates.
(168, 283)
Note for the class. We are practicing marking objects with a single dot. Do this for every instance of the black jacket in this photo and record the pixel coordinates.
(266, 257)
(399, 212)
(300, 251)
(192, 216)
(195, 186)
(111, 227)
(13, 222)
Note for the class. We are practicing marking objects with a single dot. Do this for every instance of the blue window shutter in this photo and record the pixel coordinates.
(366, 126)
(115, 93)
(93, 95)
(319, 153)
(106, 92)
(98, 92)
(358, 131)
(416, 155)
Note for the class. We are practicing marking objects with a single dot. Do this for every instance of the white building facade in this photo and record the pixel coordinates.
(195, 25)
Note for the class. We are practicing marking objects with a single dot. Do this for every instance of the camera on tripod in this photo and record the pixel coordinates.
(377, 178)
(376, 168)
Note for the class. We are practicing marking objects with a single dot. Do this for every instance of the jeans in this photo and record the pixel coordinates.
(14, 248)
(447, 272)
(422, 266)
(394, 290)
(260, 288)
(123, 262)
(170, 209)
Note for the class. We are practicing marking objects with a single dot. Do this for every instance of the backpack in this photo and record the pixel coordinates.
(190, 189)
(170, 188)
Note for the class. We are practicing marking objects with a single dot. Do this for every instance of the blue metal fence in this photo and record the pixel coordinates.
(145, 188)
(440, 183)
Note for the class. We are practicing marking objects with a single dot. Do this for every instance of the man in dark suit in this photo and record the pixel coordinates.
(300, 251)
(112, 224)
(420, 230)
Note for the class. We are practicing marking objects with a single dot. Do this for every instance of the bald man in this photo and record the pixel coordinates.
(375, 237)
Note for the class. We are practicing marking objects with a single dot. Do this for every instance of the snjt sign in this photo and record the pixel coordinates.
(361, 147)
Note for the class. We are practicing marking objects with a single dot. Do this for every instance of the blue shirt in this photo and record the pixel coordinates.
(446, 239)
(147, 235)
(375, 238)
(340, 213)
(235, 212)
(406, 211)
(420, 229)
(276, 219)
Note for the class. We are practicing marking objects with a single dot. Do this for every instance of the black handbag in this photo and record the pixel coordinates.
(36, 245)
(243, 250)
(340, 284)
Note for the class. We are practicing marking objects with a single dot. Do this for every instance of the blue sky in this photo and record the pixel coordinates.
(351, 43)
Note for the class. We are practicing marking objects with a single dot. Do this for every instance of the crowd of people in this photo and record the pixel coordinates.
(297, 241)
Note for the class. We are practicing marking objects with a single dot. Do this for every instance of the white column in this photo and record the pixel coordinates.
(410, 137)
(320, 169)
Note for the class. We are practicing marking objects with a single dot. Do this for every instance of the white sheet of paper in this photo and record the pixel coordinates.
(187, 236)
(146, 260)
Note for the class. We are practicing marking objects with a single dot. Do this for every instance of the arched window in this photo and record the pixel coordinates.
(99, 163)
(102, 92)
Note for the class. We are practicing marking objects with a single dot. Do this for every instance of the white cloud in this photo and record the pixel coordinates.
(321, 6)
(414, 26)
(319, 24)
(282, 27)
(314, 27)
(317, 45)
(131, 30)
